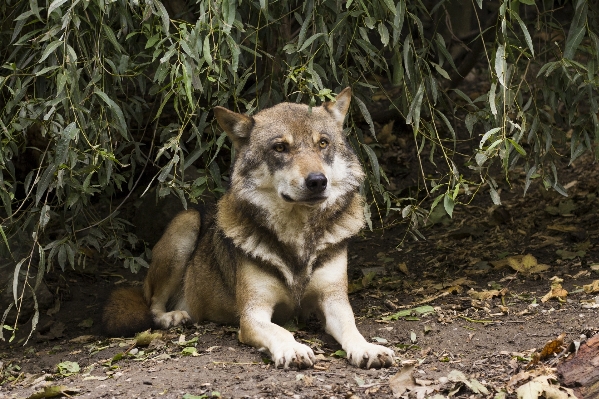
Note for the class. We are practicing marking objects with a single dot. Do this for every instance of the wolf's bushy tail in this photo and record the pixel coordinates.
(126, 313)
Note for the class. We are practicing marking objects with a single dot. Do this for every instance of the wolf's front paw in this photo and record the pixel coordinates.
(293, 355)
(367, 355)
(171, 319)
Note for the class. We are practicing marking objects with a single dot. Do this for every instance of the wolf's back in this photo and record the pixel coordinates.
(126, 313)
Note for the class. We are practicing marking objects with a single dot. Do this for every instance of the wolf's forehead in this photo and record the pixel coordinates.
(294, 120)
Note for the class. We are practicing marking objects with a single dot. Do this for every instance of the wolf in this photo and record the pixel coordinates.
(276, 246)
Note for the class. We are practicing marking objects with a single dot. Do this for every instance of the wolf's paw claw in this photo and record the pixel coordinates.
(296, 355)
(371, 356)
(171, 319)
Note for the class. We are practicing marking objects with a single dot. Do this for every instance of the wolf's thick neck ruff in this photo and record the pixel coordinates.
(291, 238)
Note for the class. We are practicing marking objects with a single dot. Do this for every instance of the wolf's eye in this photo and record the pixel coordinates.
(323, 143)
(279, 147)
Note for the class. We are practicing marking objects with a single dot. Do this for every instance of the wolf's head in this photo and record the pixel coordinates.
(293, 154)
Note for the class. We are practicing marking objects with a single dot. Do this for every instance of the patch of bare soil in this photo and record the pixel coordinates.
(469, 312)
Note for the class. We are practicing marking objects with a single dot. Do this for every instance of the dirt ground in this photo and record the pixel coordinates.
(465, 309)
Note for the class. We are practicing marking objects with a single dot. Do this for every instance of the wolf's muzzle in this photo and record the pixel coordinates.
(316, 182)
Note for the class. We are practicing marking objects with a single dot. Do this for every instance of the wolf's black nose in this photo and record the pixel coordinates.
(316, 182)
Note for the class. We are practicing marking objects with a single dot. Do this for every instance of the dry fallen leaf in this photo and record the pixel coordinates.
(553, 347)
(499, 264)
(56, 331)
(455, 289)
(402, 381)
(455, 286)
(386, 135)
(517, 379)
(83, 339)
(592, 288)
(541, 386)
(422, 392)
(404, 268)
(550, 348)
(472, 384)
(526, 264)
(557, 291)
(562, 228)
(547, 241)
(485, 295)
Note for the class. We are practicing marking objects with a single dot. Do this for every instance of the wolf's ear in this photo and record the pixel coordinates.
(237, 126)
(339, 108)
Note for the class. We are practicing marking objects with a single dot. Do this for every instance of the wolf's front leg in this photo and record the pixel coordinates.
(341, 325)
(328, 286)
(258, 293)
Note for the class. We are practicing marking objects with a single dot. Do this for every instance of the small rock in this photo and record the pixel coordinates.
(164, 356)
(156, 343)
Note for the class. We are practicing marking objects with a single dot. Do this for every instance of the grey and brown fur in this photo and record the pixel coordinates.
(276, 246)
